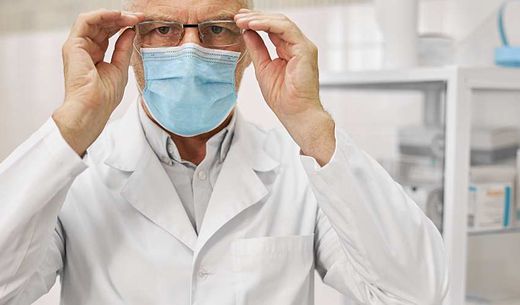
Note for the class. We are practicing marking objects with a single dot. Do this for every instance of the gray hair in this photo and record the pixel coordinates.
(127, 4)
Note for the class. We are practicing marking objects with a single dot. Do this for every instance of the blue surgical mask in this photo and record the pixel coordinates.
(189, 90)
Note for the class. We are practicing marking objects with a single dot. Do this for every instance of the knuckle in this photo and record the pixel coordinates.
(66, 47)
(80, 20)
(101, 12)
(292, 25)
(82, 17)
(75, 43)
(313, 48)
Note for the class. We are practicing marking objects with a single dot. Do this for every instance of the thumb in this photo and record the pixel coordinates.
(123, 50)
(257, 50)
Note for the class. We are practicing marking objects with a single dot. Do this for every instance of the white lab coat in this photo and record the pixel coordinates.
(115, 230)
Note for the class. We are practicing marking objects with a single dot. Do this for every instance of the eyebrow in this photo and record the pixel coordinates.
(161, 17)
(170, 17)
(221, 16)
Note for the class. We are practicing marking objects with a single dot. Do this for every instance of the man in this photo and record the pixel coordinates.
(182, 201)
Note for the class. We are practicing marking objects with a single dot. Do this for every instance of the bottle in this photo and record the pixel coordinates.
(398, 21)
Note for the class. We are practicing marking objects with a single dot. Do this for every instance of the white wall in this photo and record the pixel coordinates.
(30, 82)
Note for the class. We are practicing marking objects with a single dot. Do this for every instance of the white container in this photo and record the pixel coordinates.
(398, 22)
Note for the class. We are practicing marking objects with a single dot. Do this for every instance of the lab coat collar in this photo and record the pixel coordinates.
(128, 143)
(151, 192)
(148, 188)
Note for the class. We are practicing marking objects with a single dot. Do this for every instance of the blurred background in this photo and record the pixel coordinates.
(413, 81)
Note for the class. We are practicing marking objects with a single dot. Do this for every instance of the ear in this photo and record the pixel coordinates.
(241, 67)
(137, 65)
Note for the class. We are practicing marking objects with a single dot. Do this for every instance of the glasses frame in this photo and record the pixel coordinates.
(184, 26)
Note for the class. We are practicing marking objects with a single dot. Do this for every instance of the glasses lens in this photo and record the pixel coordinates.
(220, 33)
(159, 34)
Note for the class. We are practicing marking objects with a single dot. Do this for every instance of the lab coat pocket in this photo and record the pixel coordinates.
(274, 270)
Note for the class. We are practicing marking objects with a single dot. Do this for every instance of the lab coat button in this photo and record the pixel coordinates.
(202, 175)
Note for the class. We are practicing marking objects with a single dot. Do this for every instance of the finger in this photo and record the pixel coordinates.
(258, 50)
(287, 30)
(109, 31)
(262, 15)
(95, 51)
(277, 41)
(282, 49)
(123, 50)
(103, 22)
(105, 34)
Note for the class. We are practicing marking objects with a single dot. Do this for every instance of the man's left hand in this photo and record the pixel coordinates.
(290, 83)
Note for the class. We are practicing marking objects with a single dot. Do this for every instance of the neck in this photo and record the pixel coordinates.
(192, 149)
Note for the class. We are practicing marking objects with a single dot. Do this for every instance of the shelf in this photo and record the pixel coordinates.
(472, 232)
(423, 78)
(417, 79)
(477, 301)
(417, 75)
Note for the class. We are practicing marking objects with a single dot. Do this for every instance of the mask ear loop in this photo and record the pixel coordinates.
(242, 56)
(133, 43)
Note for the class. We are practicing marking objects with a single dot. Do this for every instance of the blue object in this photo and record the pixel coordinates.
(189, 90)
(507, 207)
(506, 56)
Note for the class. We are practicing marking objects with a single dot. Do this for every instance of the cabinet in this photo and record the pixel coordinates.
(418, 123)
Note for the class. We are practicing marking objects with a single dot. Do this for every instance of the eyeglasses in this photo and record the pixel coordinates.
(217, 34)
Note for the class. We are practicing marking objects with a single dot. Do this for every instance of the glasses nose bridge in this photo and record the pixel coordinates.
(191, 34)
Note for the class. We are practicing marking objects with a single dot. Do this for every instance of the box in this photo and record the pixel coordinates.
(493, 144)
(492, 204)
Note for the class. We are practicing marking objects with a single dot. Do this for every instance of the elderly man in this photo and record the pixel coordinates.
(184, 202)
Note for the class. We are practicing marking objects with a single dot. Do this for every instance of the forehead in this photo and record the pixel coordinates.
(188, 11)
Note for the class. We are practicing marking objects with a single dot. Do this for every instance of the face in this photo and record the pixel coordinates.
(189, 12)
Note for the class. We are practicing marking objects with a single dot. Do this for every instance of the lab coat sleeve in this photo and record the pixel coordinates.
(373, 243)
(34, 181)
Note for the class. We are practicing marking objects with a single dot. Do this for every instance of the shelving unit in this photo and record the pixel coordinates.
(457, 86)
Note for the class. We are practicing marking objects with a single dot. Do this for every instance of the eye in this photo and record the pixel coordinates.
(163, 30)
(215, 29)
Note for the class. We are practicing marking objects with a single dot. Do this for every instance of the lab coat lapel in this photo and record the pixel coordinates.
(151, 192)
(149, 189)
(238, 186)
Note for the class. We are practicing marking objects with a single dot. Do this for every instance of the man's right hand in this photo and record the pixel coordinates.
(94, 88)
